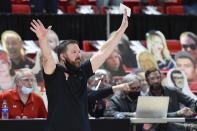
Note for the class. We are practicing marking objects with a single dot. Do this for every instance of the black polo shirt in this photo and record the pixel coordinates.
(67, 98)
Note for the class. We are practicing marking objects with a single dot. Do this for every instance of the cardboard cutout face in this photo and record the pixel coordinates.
(178, 80)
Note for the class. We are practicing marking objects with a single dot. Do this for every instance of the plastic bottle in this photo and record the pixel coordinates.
(4, 110)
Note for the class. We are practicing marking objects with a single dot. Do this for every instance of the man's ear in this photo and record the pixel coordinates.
(17, 82)
(62, 57)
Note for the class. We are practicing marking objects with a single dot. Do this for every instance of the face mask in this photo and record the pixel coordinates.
(134, 95)
(26, 90)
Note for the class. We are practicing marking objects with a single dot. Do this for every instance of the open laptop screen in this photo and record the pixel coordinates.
(152, 107)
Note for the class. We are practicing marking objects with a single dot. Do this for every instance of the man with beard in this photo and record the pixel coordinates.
(66, 86)
(95, 96)
(153, 77)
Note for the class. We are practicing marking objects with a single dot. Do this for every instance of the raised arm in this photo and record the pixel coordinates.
(41, 32)
(98, 59)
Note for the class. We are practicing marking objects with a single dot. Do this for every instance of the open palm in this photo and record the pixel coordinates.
(38, 28)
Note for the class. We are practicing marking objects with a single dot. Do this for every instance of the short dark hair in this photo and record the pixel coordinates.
(63, 46)
(149, 71)
(138, 70)
(185, 55)
(174, 72)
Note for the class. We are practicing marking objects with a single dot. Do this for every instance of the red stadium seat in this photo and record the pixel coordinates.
(83, 2)
(152, 2)
(62, 2)
(20, 1)
(92, 2)
(174, 46)
(87, 47)
(62, 8)
(175, 10)
(173, 2)
(137, 9)
(21, 9)
(71, 9)
(131, 3)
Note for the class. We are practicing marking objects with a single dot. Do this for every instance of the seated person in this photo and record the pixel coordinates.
(144, 85)
(22, 102)
(153, 77)
(99, 91)
(124, 103)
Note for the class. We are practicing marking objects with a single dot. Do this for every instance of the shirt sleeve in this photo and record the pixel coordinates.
(87, 68)
(49, 77)
(186, 100)
(99, 94)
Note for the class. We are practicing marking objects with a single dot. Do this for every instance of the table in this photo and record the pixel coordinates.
(136, 121)
(102, 124)
(39, 125)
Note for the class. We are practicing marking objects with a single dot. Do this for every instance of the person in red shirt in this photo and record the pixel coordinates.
(22, 102)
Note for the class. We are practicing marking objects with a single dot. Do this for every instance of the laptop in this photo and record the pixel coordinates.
(151, 109)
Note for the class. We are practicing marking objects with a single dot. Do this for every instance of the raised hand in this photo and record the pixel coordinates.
(38, 28)
(49, 63)
(124, 23)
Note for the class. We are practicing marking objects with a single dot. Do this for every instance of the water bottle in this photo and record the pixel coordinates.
(4, 110)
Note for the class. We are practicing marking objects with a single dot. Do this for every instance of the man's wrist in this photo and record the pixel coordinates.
(115, 88)
(178, 113)
(42, 40)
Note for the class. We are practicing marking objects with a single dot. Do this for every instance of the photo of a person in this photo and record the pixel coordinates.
(146, 60)
(156, 45)
(178, 80)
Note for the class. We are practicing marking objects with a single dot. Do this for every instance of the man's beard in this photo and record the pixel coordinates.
(75, 63)
(155, 86)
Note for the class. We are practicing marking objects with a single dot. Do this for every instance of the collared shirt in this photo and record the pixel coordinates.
(34, 108)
